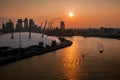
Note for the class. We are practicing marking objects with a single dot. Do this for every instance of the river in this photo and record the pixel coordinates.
(81, 61)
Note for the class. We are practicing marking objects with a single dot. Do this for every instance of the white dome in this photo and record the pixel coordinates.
(5, 40)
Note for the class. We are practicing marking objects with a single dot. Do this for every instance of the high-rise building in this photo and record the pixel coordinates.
(19, 26)
(9, 27)
(62, 25)
(26, 24)
(3, 28)
(31, 25)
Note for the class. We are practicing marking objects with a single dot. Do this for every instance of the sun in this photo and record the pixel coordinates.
(70, 14)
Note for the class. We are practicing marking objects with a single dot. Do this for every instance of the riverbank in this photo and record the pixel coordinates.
(13, 55)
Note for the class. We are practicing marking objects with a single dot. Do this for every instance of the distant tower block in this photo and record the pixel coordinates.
(62, 25)
(3, 28)
(19, 26)
(26, 24)
(31, 27)
(11, 28)
(32, 24)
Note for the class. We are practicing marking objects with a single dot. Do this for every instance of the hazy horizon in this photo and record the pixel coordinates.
(87, 13)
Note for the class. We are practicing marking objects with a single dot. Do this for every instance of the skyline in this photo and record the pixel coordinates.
(87, 13)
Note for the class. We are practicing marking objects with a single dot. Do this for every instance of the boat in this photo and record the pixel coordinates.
(101, 50)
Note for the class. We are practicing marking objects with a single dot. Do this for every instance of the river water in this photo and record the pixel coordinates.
(81, 61)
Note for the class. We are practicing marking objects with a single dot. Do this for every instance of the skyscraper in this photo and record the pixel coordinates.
(9, 27)
(31, 24)
(26, 24)
(3, 28)
(31, 27)
(19, 26)
(62, 25)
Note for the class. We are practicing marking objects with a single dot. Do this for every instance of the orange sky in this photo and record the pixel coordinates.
(87, 13)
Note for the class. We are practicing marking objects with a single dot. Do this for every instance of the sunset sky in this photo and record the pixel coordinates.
(86, 13)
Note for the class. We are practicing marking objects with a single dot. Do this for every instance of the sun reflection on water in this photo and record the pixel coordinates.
(72, 62)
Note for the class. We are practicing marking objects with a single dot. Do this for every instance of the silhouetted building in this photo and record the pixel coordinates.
(31, 25)
(36, 28)
(62, 25)
(9, 27)
(26, 24)
(3, 28)
(19, 26)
